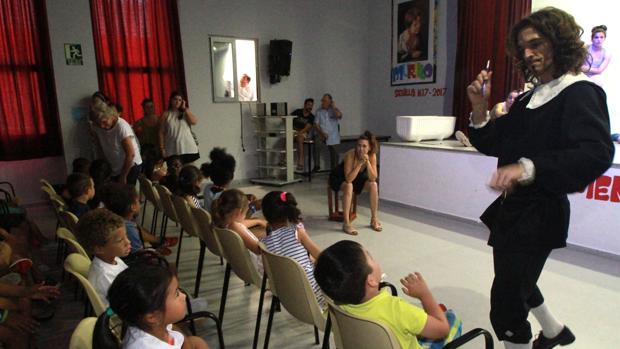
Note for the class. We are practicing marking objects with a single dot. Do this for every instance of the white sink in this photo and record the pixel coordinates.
(417, 128)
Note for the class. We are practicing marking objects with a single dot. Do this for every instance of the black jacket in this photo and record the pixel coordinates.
(569, 142)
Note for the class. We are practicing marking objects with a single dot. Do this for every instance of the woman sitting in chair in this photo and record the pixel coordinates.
(357, 172)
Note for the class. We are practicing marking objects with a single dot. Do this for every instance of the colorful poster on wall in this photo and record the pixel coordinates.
(413, 42)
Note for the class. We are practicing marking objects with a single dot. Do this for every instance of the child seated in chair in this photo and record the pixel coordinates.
(124, 200)
(287, 236)
(348, 274)
(81, 189)
(221, 171)
(19, 313)
(103, 234)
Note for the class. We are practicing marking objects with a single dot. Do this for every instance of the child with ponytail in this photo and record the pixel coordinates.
(145, 299)
(229, 211)
(286, 235)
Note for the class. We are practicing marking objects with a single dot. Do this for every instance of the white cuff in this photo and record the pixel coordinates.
(529, 171)
(480, 125)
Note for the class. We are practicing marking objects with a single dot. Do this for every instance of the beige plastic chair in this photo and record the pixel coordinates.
(205, 231)
(68, 220)
(238, 259)
(188, 224)
(146, 187)
(76, 264)
(82, 337)
(291, 287)
(51, 193)
(67, 236)
(353, 332)
(165, 198)
(47, 184)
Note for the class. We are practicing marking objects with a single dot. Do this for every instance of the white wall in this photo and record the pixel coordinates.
(382, 106)
(329, 55)
(598, 14)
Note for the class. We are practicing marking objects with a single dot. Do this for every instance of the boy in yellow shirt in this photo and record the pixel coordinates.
(348, 275)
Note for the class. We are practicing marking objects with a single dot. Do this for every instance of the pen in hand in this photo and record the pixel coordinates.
(484, 83)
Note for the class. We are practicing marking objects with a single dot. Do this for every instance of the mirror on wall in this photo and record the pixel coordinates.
(234, 68)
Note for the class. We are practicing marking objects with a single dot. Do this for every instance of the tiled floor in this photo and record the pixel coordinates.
(581, 288)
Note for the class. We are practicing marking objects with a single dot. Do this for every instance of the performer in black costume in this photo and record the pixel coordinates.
(554, 141)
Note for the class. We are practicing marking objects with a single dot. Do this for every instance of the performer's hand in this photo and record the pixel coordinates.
(415, 286)
(478, 99)
(506, 177)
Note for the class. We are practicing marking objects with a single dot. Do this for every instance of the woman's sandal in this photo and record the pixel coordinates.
(376, 225)
(349, 229)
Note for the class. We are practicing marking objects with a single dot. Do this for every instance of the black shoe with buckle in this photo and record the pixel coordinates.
(565, 337)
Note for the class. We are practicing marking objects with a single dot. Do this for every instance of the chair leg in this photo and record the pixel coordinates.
(330, 204)
(164, 226)
(328, 329)
(143, 213)
(259, 314)
(224, 292)
(154, 226)
(221, 260)
(179, 249)
(274, 302)
(316, 335)
(218, 324)
(201, 259)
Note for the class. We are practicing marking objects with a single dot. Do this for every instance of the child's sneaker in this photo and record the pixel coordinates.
(164, 251)
(21, 266)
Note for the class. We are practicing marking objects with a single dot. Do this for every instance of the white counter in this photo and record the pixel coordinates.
(448, 178)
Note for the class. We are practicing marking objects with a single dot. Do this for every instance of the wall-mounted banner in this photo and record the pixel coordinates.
(73, 54)
(413, 41)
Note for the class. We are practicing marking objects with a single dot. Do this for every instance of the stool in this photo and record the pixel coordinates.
(334, 213)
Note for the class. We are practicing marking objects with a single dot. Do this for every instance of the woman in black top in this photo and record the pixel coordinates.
(357, 172)
(553, 141)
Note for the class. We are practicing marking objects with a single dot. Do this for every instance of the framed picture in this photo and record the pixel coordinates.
(413, 42)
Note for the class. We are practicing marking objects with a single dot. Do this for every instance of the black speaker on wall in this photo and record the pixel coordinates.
(280, 52)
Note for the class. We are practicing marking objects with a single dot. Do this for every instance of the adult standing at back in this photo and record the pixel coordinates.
(117, 142)
(553, 141)
(327, 126)
(175, 133)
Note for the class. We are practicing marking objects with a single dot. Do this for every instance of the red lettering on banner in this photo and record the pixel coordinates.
(604, 189)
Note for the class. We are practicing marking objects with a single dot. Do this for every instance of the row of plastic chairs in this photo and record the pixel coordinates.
(283, 276)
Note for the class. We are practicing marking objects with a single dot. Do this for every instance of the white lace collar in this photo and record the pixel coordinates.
(546, 92)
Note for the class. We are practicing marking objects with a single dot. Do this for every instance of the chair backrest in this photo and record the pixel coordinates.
(82, 337)
(290, 284)
(66, 235)
(238, 256)
(74, 264)
(68, 220)
(205, 230)
(165, 197)
(47, 184)
(51, 193)
(187, 221)
(352, 332)
(146, 186)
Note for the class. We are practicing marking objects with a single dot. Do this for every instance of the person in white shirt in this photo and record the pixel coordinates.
(103, 233)
(246, 92)
(147, 300)
(117, 142)
(175, 133)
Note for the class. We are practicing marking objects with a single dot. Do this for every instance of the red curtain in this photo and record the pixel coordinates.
(483, 27)
(138, 49)
(29, 125)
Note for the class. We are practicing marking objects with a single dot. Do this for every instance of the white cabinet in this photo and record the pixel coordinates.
(274, 148)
